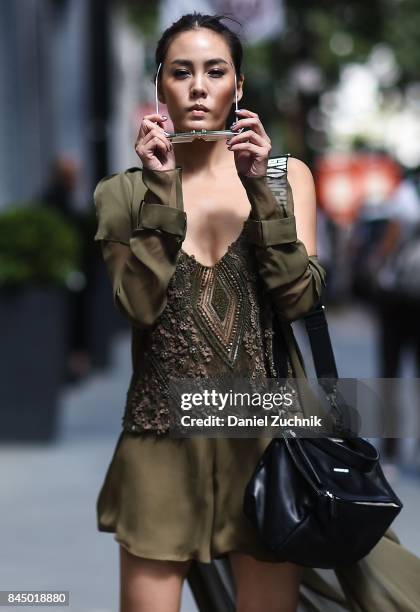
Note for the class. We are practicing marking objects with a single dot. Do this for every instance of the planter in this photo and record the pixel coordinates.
(32, 358)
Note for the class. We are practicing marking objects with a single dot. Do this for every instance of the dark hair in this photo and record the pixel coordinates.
(192, 21)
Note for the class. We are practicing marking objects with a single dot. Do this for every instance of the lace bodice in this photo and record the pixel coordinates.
(215, 323)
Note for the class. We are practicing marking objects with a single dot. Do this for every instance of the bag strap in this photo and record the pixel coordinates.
(346, 418)
(316, 325)
(320, 341)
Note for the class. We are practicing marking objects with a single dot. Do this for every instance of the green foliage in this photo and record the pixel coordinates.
(38, 246)
(143, 15)
(402, 33)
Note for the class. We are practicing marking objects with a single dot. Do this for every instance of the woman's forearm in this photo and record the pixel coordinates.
(293, 279)
(141, 260)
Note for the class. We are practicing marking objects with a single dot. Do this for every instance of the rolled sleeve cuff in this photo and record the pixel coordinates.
(164, 187)
(262, 199)
(162, 218)
(270, 232)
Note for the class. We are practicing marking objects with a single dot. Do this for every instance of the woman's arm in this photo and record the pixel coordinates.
(140, 260)
(283, 240)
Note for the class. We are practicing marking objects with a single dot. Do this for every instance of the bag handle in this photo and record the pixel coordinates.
(353, 459)
(364, 458)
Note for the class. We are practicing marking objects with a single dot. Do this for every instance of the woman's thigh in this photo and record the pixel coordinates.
(261, 585)
(149, 584)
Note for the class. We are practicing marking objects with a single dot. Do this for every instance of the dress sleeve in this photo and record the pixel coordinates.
(293, 279)
(140, 257)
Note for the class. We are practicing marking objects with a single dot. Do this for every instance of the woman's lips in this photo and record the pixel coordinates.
(198, 113)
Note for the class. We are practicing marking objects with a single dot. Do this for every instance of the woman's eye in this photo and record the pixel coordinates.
(180, 72)
(183, 73)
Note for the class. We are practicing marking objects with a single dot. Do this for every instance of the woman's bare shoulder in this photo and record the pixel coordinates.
(303, 190)
(301, 181)
(297, 168)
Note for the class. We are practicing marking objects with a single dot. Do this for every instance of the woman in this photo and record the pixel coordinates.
(199, 297)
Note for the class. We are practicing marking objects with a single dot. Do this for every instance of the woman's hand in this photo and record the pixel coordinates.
(154, 149)
(251, 147)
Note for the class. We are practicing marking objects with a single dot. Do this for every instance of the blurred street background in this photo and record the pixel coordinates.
(335, 84)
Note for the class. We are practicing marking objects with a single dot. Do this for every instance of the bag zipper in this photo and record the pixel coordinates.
(333, 503)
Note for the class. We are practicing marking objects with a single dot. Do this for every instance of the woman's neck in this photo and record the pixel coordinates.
(203, 158)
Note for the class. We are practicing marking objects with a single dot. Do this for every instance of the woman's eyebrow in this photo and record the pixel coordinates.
(215, 60)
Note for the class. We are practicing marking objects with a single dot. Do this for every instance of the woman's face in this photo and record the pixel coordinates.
(198, 69)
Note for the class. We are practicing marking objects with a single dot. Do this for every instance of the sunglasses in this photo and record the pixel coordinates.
(193, 134)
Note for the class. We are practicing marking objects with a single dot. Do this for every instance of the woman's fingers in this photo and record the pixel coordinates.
(155, 151)
(246, 118)
(152, 146)
(248, 136)
(150, 134)
(151, 143)
(254, 143)
(148, 126)
(155, 118)
(247, 146)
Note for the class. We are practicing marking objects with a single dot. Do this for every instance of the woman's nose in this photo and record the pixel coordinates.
(198, 86)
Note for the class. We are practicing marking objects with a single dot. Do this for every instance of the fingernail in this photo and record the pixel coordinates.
(239, 110)
(233, 125)
(164, 117)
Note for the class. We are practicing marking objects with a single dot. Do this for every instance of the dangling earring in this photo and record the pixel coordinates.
(236, 93)
(156, 89)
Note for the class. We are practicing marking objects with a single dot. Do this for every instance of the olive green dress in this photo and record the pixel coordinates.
(173, 498)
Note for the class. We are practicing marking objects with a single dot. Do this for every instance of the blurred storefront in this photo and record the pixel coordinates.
(44, 94)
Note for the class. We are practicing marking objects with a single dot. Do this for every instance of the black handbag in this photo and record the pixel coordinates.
(320, 502)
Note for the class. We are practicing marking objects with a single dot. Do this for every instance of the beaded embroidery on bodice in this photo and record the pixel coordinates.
(219, 303)
(216, 322)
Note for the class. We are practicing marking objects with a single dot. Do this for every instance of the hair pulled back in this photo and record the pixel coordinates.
(193, 21)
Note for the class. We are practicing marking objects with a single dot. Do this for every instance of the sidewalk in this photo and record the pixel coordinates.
(48, 533)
